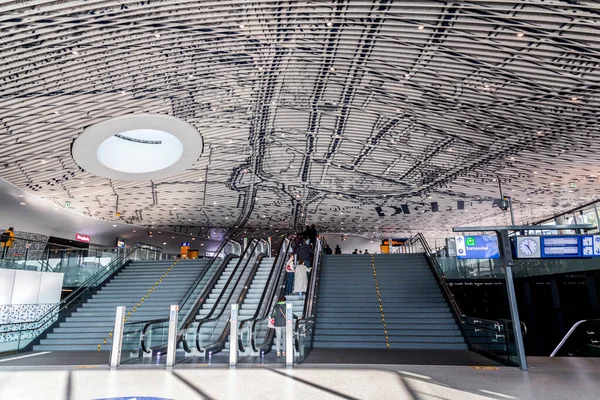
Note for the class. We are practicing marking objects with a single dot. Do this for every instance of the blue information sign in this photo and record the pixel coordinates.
(484, 246)
(561, 246)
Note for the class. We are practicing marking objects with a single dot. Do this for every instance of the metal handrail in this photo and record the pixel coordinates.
(209, 317)
(201, 275)
(191, 314)
(564, 339)
(75, 295)
(220, 342)
(275, 271)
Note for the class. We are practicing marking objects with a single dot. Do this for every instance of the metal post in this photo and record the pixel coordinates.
(270, 244)
(172, 339)
(597, 218)
(117, 340)
(514, 312)
(233, 336)
(289, 335)
(390, 246)
(512, 215)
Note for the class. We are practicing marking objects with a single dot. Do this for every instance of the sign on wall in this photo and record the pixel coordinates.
(83, 238)
(483, 246)
(561, 246)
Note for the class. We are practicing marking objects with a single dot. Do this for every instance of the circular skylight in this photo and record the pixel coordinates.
(138, 147)
(140, 151)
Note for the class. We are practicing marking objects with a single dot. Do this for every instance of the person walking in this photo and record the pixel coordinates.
(328, 250)
(8, 239)
(305, 252)
(301, 279)
(279, 323)
(338, 251)
(366, 251)
(355, 251)
(289, 269)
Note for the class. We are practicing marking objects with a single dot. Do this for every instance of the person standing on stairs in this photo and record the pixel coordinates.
(355, 251)
(301, 278)
(338, 251)
(279, 323)
(289, 269)
(305, 252)
(8, 239)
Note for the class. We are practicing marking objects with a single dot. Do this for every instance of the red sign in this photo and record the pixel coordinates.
(83, 238)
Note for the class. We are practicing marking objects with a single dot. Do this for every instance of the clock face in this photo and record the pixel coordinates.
(528, 247)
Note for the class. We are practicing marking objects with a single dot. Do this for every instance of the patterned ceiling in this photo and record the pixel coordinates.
(311, 111)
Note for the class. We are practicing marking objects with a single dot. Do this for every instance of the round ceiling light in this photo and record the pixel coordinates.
(138, 147)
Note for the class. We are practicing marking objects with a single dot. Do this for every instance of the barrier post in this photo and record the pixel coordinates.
(172, 338)
(233, 336)
(289, 335)
(117, 339)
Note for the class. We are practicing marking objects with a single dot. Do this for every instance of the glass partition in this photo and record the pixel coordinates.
(16, 336)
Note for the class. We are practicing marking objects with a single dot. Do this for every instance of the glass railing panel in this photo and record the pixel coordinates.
(304, 338)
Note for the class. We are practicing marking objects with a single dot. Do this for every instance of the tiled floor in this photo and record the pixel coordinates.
(547, 379)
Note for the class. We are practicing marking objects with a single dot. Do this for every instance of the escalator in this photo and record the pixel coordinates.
(203, 329)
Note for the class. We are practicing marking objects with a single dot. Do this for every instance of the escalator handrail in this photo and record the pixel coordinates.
(209, 286)
(201, 275)
(270, 335)
(209, 317)
(280, 262)
(220, 343)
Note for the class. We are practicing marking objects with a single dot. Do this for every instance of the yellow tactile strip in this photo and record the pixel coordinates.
(141, 302)
(387, 339)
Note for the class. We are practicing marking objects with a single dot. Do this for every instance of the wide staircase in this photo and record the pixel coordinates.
(406, 310)
(94, 319)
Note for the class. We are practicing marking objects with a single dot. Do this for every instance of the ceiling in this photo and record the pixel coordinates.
(313, 111)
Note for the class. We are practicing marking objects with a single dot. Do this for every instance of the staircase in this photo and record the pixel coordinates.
(415, 311)
(94, 319)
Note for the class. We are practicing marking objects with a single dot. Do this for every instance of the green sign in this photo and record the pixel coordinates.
(68, 204)
(470, 241)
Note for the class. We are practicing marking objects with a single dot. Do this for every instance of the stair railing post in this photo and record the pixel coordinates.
(117, 339)
(289, 335)
(233, 336)
(172, 338)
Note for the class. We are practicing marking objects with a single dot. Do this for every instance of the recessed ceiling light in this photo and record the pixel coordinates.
(134, 230)
(332, 69)
(330, 24)
(164, 243)
(114, 224)
(520, 34)
(260, 68)
(21, 195)
(574, 98)
(23, 204)
(75, 52)
(421, 27)
(172, 237)
(43, 161)
(191, 76)
(214, 202)
(540, 133)
(195, 239)
(157, 35)
(56, 112)
(242, 26)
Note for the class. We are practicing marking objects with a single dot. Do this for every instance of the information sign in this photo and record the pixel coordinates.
(484, 246)
(561, 246)
(590, 245)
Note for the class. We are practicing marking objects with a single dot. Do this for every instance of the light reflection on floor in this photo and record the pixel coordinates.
(406, 382)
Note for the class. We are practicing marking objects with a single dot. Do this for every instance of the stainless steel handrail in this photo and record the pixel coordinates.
(562, 342)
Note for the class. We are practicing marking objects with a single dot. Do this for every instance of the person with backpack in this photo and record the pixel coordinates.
(279, 321)
(8, 239)
(289, 270)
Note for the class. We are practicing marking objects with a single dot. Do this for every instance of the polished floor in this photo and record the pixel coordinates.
(547, 379)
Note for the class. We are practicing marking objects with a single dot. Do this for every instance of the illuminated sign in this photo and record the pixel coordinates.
(83, 238)
(484, 246)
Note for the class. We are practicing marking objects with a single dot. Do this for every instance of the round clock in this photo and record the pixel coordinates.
(528, 247)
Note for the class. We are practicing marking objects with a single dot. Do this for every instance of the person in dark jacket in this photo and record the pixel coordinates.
(279, 323)
(312, 235)
(305, 253)
(328, 250)
(338, 251)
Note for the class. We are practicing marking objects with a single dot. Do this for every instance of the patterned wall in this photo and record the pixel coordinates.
(37, 241)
